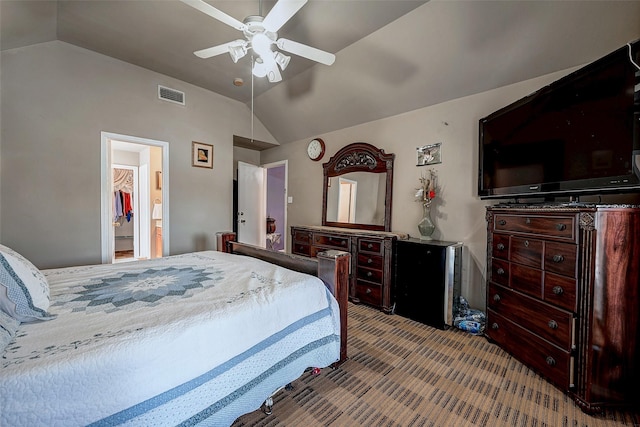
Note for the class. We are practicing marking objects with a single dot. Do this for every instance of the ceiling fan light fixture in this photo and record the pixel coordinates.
(237, 52)
(259, 69)
(282, 60)
(261, 44)
(260, 33)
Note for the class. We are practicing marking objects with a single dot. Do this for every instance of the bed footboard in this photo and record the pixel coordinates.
(332, 267)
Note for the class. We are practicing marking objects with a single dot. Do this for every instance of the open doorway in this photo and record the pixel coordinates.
(260, 204)
(134, 215)
(126, 218)
(276, 205)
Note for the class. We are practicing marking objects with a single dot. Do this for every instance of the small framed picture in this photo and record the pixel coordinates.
(202, 155)
(429, 154)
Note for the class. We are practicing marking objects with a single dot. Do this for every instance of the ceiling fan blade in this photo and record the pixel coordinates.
(305, 51)
(215, 13)
(281, 12)
(217, 50)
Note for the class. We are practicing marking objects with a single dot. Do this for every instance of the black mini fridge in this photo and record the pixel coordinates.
(427, 280)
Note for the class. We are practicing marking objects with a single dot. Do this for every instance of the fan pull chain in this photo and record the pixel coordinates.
(251, 98)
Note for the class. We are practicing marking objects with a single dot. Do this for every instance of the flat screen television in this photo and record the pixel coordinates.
(579, 135)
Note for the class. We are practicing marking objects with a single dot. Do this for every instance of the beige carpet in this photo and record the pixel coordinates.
(404, 373)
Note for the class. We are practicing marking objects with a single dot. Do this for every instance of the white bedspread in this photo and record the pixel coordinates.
(187, 339)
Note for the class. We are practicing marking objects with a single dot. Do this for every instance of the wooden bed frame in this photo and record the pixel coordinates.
(332, 267)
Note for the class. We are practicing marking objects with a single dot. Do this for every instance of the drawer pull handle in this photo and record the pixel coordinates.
(551, 361)
(496, 298)
(500, 247)
(527, 221)
(526, 243)
(369, 246)
(561, 227)
(552, 324)
(369, 261)
(502, 222)
(494, 326)
(558, 290)
(500, 271)
(369, 274)
(368, 291)
(343, 242)
(558, 258)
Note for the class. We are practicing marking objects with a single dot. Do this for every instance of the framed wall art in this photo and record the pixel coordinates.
(202, 155)
(429, 154)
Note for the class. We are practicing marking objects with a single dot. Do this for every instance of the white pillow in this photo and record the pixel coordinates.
(24, 291)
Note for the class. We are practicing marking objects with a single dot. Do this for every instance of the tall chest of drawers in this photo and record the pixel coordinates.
(371, 259)
(562, 296)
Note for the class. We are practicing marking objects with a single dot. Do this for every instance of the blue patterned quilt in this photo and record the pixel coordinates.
(191, 339)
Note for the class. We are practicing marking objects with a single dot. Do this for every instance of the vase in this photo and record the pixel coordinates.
(271, 225)
(426, 226)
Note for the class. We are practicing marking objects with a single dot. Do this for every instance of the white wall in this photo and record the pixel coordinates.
(458, 213)
(56, 99)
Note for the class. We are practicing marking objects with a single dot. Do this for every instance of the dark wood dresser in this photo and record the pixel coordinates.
(563, 292)
(371, 259)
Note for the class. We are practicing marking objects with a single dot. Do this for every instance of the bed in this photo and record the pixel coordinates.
(192, 339)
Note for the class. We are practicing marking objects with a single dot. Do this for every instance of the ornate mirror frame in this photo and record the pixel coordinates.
(360, 157)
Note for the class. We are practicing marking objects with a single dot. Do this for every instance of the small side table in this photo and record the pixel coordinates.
(222, 238)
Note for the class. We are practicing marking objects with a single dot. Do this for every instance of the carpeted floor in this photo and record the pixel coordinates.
(404, 373)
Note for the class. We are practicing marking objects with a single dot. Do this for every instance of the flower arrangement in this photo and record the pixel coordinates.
(428, 186)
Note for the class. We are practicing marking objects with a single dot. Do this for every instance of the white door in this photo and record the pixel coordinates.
(252, 204)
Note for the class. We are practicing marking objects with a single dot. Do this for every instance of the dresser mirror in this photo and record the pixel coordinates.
(358, 182)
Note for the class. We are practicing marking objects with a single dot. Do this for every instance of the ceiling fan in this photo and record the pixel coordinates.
(260, 34)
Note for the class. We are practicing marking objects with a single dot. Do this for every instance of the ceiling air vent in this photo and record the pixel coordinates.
(171, 95)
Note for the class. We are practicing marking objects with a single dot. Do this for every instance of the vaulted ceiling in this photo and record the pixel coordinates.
(392, 56)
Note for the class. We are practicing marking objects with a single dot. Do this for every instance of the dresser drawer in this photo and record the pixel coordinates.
(545, 358)
(560, 291)
(526, 251)
(500, 271)
(331, 241)
(500, 246)
(301, 236)
(550, 226)
(561, 258)
(369, 275)
(550, 323)
(526, 279)
(301, 249)
(369, 293)
(373, 246)
(370, 261)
